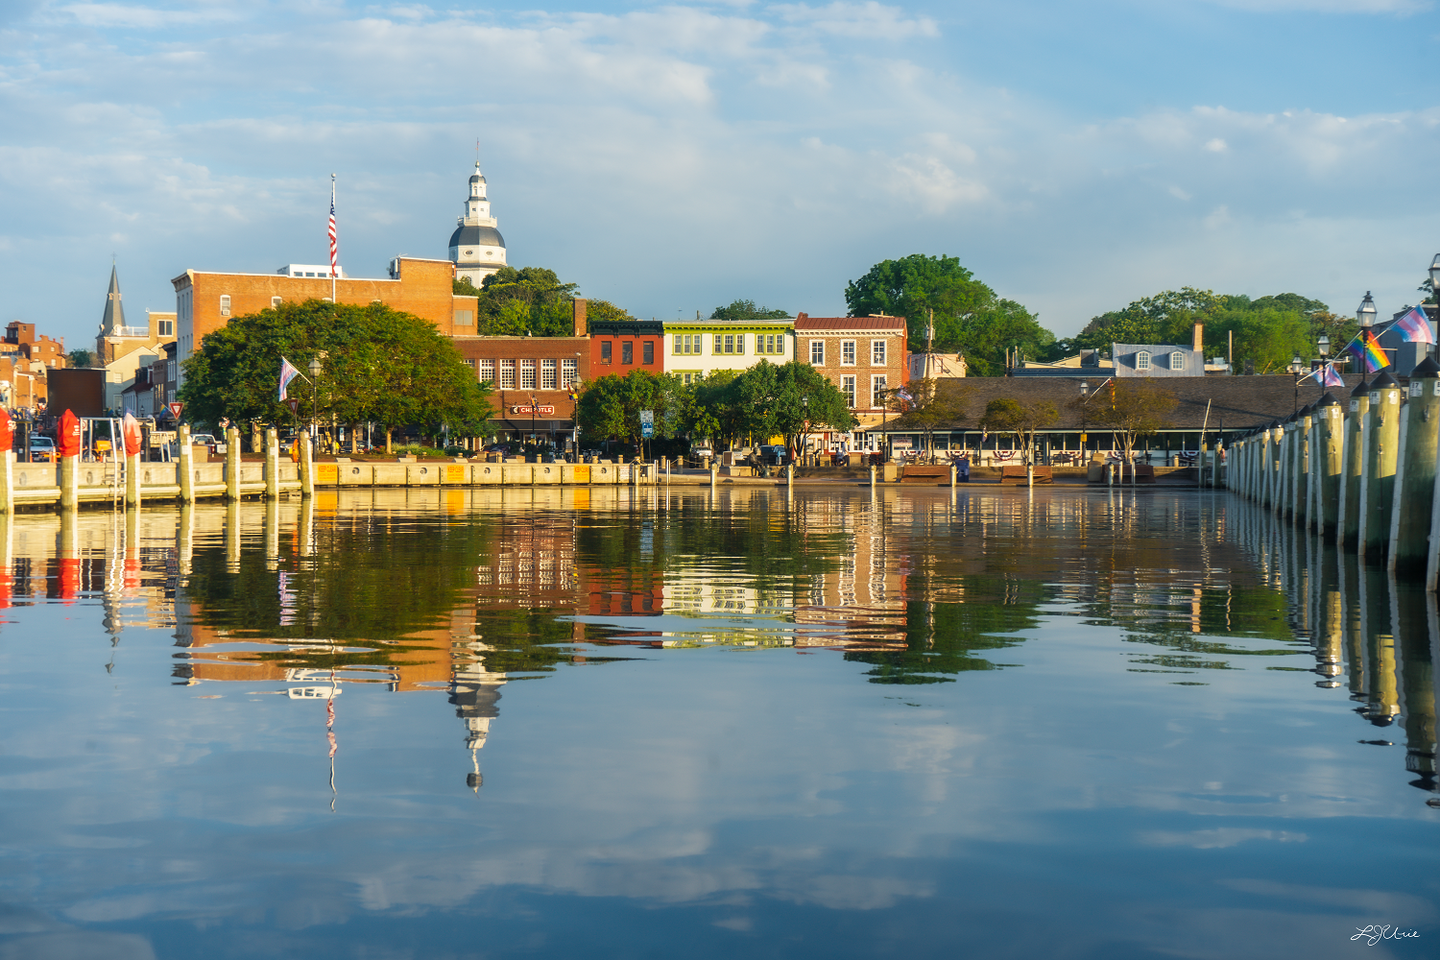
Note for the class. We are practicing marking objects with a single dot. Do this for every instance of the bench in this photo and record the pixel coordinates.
(914, 473)
(1015, 474)
(1143, 473)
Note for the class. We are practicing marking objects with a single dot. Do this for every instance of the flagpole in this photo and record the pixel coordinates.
(334, 247)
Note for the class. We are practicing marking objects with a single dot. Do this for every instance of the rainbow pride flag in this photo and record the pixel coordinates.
(1368, 353)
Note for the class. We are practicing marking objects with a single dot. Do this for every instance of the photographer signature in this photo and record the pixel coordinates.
(1375, 932)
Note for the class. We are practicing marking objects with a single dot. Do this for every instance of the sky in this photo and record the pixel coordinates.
(674, 157)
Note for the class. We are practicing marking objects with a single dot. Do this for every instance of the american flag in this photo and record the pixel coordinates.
(334, 243)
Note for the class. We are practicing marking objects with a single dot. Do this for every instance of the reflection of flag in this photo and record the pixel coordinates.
(287, 373)
(1368, 352)
(1415, 327)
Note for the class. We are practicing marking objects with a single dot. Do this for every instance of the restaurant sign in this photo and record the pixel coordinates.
(544, 410)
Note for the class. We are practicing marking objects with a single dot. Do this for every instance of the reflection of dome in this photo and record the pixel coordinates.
(470, 235)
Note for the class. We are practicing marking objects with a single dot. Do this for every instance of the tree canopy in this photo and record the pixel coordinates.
(1131, 407)
(747, 310)
(378, 365)
(1267, 332)
(530, 300)
(1007, 415)
(609, 407)
(80, 357)
(969, 317)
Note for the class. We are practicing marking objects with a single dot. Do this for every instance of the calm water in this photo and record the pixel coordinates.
(1078, 724)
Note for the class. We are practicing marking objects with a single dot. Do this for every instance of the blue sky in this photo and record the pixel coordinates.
(672, 157)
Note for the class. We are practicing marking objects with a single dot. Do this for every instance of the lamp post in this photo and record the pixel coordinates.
(533, 442)
(1322, 347)
(1434, 288)
(316, 367)
(1084, 399)
(1297, 367)
(1366, 315)
(805, 421)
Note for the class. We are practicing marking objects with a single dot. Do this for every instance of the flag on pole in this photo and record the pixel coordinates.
(1368, 352)
(1415, 327)
(334, 242)
(287, 373)
(1332, 377)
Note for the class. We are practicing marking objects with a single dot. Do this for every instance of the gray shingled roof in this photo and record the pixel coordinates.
(468, 235)
(1237, 403)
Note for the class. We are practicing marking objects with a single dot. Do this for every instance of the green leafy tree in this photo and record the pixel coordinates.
(931, 404)
(1024, 420)
(747, 310)
(968, 317)
(609, 407)
(1130, 407)
(80, 358)
(530, 300)
(789, 400)
(708, 409)
(378, 365)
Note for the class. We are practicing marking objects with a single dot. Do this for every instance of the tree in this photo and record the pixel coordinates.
(609, 407)
(931, 403)
(80, 358)
(1134, 407)
(530, 300)
(378, 365)
(746, 310)
(790, 400)
(1006, 415)
(968, 316)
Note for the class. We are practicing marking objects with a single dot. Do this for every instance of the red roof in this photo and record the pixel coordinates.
(804, 323)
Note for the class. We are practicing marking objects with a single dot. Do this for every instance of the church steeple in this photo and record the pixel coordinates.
(114, 312)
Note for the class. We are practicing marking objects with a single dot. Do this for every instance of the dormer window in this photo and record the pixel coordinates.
(1177, 361)
(1142, 360)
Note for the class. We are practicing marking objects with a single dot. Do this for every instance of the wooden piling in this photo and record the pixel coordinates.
(232, 464)
(187, 465)
(1328, 466)
(1352, 465)
(1415, 475)
(1379, 479)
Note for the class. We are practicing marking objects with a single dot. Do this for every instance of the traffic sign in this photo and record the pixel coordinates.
(647, 431)
(647, 416)
(293, 404)
(175, 409)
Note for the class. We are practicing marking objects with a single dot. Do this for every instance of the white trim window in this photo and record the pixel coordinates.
(486, 371)
(817, 353)
(547, 374)
(687, 344)
(275, 303)
(877, 353)
(847, 355)
(569, 375)
(224, 304)
(507, 374)
(847, 387)
(1177, 361)
(1142, 360)
(527, 374)
(877, 391)
(729, 344)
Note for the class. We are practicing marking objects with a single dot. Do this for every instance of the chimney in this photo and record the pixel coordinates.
(801, 316)
(580, 321)
(1199, 344)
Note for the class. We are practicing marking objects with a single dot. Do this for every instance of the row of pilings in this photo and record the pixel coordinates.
(1362, 478)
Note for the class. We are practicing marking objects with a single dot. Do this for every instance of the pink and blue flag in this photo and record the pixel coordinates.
(1415, 327)
(287, 373)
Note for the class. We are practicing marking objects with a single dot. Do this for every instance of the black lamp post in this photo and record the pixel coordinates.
(1297, 367)
(316, 368)
(1084, 398)
(1366, 316)
(1435, 287)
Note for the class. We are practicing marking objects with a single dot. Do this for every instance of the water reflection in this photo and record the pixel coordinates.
(462, 595)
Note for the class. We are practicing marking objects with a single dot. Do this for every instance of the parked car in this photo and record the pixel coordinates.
(42, 449)
(205, 440)
(774, 454)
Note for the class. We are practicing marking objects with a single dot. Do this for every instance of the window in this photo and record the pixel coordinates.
(817, 353)
(486, 372)
(547, 374)
(1177, 361)
(507, 374)
(1142, 360)
(464, 318)
(647, 352)
(847, 354)
(568, 375)
(877, 353)
(527, 374)
(605, 346)
(729, 343)
(274, 302)
(877, 391)
(687, 344)
(225, 305)
(770, 344)
(627, 352)
(847, 387)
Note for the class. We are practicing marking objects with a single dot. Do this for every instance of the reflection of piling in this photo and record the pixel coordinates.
(232, 537)
(187, 465)
(272, 464)
(307, 465)
(1411, 613)
(1415, 476)
(1378, 481)
(232, 464)
(185, 539)
(1330, 438)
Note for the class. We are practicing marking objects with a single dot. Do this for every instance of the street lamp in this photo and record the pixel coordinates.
(805, 419)
(1297, 367)
(316, 367)
(1366, 315)
(1084, 399)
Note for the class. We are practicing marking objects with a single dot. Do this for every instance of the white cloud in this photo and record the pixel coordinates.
(140, 17)
(1402, 7)
(869, 20)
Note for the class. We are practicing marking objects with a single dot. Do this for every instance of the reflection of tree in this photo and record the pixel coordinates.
(943, 637)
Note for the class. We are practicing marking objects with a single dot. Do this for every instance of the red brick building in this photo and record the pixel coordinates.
(866, 357)
(619, 346)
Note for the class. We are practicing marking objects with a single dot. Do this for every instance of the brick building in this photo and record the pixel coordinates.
(534, 379)
(866, 357)
(116, 338)
(619, 346)
(205, 302)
